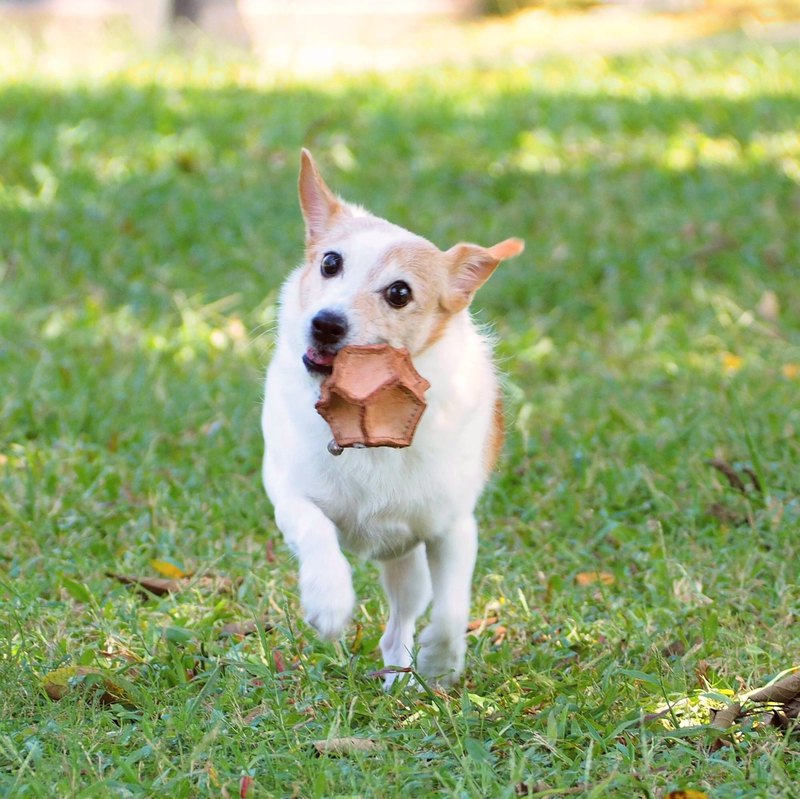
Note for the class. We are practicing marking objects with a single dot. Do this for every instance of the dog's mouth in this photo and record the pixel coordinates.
(319, 361)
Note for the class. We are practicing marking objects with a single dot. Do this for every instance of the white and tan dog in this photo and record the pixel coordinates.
(367, 281)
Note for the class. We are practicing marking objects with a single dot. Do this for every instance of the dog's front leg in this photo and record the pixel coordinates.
(326, 585)
(407, 583)
(451, 559)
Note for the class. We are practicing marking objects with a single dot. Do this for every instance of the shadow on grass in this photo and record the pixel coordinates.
(138, 192)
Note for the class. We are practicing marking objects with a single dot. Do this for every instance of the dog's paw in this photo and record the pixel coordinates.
(441, 656)
(327, 596)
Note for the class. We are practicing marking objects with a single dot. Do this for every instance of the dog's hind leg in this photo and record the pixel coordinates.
(407, 583)
(451, 559)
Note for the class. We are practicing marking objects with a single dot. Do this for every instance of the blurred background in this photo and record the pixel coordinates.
(313, 36)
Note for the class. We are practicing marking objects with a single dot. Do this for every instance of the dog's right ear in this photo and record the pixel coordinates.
(318, 203)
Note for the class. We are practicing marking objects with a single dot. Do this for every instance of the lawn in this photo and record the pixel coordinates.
(147, 217)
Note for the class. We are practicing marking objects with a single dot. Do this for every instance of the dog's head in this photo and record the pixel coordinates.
(367, 281)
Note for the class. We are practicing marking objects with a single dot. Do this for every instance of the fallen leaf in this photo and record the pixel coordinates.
(686, 793)
(783, 721)
(499, 635)
(589, 578)
(478, 624)
(729, 472)
(270, 550)
(358, 639)
(167, 569)
(239, 629)
(387, 670)
(158, 586)
(213, 777)
(345, 746)
(783, 691)
(753, 479)
(161, 586)
(244, 786)
(792, 709)
(724, 719)
(277, 659)
(111, 688)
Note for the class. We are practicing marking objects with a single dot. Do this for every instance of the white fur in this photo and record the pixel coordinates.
(411, 509)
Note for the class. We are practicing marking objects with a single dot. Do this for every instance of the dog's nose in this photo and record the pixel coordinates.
(328, 327)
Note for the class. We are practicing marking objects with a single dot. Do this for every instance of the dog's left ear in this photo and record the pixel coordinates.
(318, 203)
(471, 266)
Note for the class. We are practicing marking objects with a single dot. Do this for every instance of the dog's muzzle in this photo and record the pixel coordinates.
(328, 332)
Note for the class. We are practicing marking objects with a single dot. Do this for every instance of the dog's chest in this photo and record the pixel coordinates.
(383, 501)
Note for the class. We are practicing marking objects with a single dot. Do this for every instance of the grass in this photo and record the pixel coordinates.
(148, 218)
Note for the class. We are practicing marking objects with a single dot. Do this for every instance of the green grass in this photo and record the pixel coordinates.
(147, 218)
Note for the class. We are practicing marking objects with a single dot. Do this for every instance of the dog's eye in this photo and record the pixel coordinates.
(331, 264)
(398, 295)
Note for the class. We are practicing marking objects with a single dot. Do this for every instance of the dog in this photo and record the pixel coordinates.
(367, 281)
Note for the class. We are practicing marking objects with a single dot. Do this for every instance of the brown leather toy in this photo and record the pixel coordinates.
(373, 398)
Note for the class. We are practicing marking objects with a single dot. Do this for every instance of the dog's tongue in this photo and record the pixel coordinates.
(320, 358)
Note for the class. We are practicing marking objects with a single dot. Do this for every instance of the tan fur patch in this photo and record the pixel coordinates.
(438, 329)
(497, 435)
(419, 259)
(425, 267)
(419, 263)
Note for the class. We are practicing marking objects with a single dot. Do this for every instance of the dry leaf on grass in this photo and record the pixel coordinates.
(477, 624)
(782, 697)
(784, 692)
(245, 784)
(277, 659)
(499, 635)
(270, 550)
(161, 586)
(725, 719)
(158, 586)
(732, 476)
(111, 688)
(387, 670)
(590, 578)
(168, 569)
(346, 746)
(358, 639)
(686, 793)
